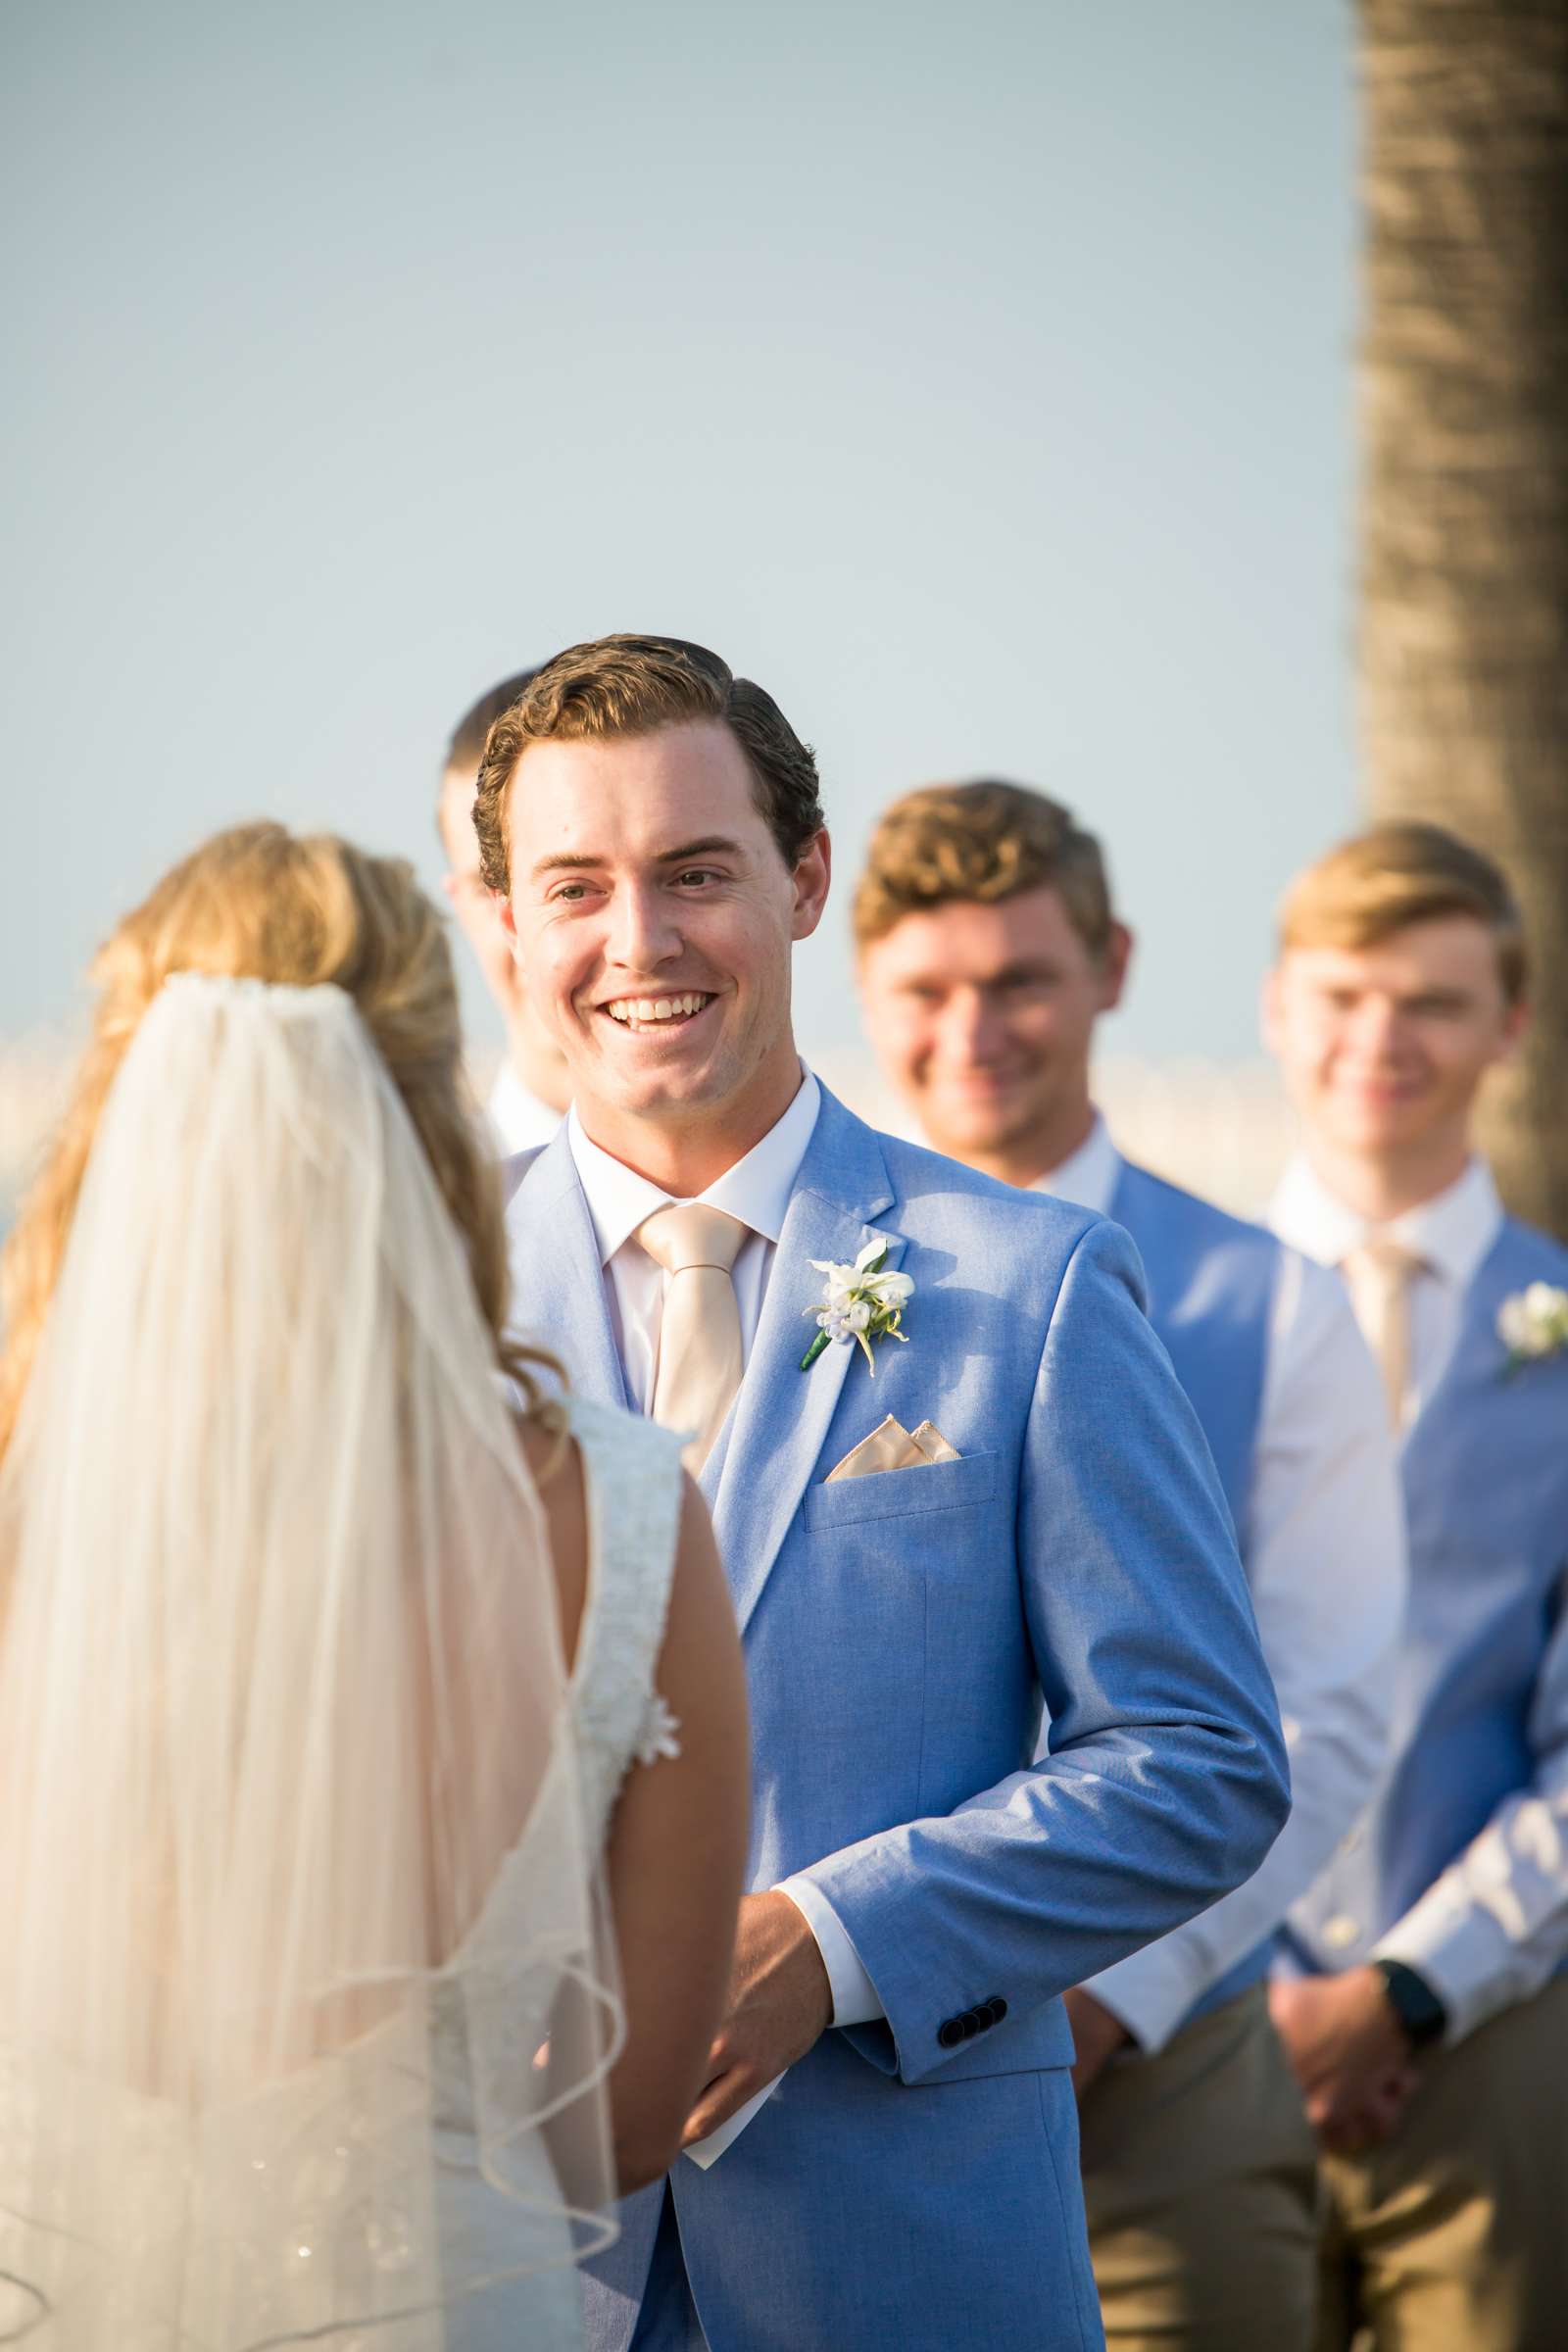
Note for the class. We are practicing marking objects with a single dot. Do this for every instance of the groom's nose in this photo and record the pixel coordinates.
(643, 930)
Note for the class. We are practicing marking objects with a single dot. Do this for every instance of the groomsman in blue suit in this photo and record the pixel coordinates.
(1426, 2006)
(954, 1480)
(988, 951)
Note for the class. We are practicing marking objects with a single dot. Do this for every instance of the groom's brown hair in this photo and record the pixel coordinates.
(632, 685)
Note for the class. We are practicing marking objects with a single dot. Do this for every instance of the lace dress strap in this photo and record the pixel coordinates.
(633, 1480)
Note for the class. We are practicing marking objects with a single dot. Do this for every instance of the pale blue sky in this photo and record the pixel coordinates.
(977, 377)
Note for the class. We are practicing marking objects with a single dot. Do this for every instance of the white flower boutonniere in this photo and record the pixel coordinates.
(1534, 1324)
(861, 1302)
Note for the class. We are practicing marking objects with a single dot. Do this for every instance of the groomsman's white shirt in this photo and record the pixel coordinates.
(757, 1191)
(1451, 1234)
(520, 1120)
(1325, 1556)
(1514, 1877)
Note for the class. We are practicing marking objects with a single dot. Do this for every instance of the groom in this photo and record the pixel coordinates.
(1010, 1501)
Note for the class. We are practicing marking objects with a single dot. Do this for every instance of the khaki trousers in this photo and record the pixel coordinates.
(1200, 2187)
(1453, 2237)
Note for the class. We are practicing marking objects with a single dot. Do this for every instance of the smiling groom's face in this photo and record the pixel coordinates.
(654, 919)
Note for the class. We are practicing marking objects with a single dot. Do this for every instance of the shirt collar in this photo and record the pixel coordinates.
(519, 1116)
(1088, 1176)
(1453, 1230)
(756, 1190)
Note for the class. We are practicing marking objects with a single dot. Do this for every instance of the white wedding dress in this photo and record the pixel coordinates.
(632, 1484)
(337, 2119)
(633, 1476)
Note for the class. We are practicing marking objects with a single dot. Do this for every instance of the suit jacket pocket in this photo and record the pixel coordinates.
(901, 1493)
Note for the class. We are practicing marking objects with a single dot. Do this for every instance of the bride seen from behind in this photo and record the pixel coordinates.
(361, 1695)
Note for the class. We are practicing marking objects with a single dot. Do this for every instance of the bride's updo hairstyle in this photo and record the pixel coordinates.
(263, 904)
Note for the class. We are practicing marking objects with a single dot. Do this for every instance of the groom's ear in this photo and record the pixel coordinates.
(505, 917)
(813, 873)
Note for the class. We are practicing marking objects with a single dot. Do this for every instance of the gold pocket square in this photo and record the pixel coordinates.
(891, 1447)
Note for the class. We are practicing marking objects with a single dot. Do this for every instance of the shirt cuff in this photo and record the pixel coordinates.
(1151, 1991)
(1462, 1953)
(855, 1996)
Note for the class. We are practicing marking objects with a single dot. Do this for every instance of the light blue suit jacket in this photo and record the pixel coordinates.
(1211, 1283)
(916, 2182)
(1481, 1694)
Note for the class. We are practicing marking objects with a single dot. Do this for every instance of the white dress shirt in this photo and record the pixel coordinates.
(521, 1121)
(757, 1191)
(1088, 1176)
(1325, 1557)
(1451, 1234)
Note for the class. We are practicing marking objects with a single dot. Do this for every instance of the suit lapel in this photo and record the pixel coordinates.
(765, 1454)
(1478, 1360)
(557, 1284)
(768, 1447)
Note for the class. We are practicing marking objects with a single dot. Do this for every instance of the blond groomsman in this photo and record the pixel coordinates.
(989, 948)
(1426, 2007)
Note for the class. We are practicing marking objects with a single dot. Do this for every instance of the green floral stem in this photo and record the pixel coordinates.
(814, 1351)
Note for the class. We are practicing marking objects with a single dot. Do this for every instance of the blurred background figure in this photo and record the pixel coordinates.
(1427, 2012)
(988, 949)
(529, 1094)
(311, 1727)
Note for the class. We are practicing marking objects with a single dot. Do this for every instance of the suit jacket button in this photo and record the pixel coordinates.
(950, 2033)
(997, 2009)
(970, 2022)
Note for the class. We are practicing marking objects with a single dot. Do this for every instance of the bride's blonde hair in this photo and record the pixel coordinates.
(260, 903)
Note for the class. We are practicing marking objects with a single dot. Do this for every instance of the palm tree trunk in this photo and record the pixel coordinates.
(1464, 414)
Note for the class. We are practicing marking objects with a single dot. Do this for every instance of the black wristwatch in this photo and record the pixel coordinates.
(1420, 2013)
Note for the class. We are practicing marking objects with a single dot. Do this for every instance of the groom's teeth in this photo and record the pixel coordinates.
(634, 1009)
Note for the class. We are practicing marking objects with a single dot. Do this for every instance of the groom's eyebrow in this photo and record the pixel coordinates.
(562, 861)
(712, 845)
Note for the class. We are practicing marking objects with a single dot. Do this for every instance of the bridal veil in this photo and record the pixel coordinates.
(298, 1924)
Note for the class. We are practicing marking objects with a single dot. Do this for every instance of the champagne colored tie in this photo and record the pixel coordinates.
(700, 1336)
(1379, 1276)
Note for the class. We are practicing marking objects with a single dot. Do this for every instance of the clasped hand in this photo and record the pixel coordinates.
(780, 2002)
(1097, 2038)
(1349, 2054)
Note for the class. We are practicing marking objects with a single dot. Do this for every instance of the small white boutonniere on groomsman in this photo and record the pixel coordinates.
(861, 1302)
(1534, 1324)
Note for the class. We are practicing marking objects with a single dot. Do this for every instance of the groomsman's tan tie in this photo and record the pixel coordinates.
(700, 1336)
(1379, 1275)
